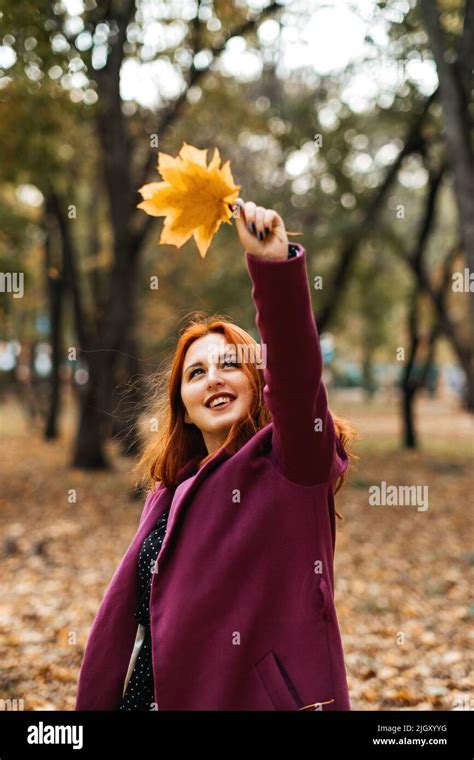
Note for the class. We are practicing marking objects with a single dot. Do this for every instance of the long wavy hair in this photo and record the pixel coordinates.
(171, 442)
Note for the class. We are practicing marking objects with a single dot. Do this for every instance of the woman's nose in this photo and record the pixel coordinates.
(213, 375)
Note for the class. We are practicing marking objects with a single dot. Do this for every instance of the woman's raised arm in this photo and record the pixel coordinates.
(304, 438)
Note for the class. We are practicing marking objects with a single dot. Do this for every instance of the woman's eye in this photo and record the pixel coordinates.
(228, 362)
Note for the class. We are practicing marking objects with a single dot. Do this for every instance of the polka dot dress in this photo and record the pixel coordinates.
(140, 695)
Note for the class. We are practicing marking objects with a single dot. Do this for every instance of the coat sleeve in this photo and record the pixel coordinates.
(303, 437)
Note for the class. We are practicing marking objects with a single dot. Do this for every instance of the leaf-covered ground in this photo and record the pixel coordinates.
(402, 575)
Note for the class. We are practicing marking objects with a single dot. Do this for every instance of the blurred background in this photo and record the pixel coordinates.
(354, 120)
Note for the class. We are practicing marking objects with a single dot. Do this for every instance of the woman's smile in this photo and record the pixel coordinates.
(219, 407)
(219, 401)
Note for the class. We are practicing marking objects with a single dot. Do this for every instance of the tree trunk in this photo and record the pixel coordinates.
(410, 439)
(455, 80)
(409, 383)
(416, 370)
(368, 371)
(54, 283)
(89, 452)
(91, 433)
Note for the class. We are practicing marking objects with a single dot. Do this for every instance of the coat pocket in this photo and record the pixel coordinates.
(277, 683)
(325, 596)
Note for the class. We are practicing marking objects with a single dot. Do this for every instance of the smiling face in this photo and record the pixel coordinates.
(211, 370)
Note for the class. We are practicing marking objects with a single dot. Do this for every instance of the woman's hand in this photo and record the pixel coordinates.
(261, 231)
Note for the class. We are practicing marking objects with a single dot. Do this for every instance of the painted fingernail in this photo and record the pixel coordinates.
(249, 227)
(254, 229)
(267, 230)
(260, 235)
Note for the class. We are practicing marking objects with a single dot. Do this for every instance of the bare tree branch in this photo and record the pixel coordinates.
(413, 142)
(416, 256)
(437, 296)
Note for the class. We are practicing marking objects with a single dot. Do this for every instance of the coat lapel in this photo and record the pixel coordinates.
(183, 494)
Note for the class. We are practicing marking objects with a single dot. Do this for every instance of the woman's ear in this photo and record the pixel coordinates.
(187, 418)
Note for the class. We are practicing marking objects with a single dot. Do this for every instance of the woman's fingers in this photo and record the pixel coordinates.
(269, 219)
(242, 224)
(250, 209)
(259, 222)
(257, 218)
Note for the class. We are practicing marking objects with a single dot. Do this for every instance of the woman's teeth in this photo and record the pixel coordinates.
(220, 402)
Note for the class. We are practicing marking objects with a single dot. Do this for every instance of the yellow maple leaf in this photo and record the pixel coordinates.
(194, 197)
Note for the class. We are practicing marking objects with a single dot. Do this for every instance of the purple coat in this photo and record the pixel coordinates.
(242, 606)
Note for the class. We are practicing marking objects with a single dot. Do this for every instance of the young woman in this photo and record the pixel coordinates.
(230, 574)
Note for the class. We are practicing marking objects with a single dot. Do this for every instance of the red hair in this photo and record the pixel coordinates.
(174, 442)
